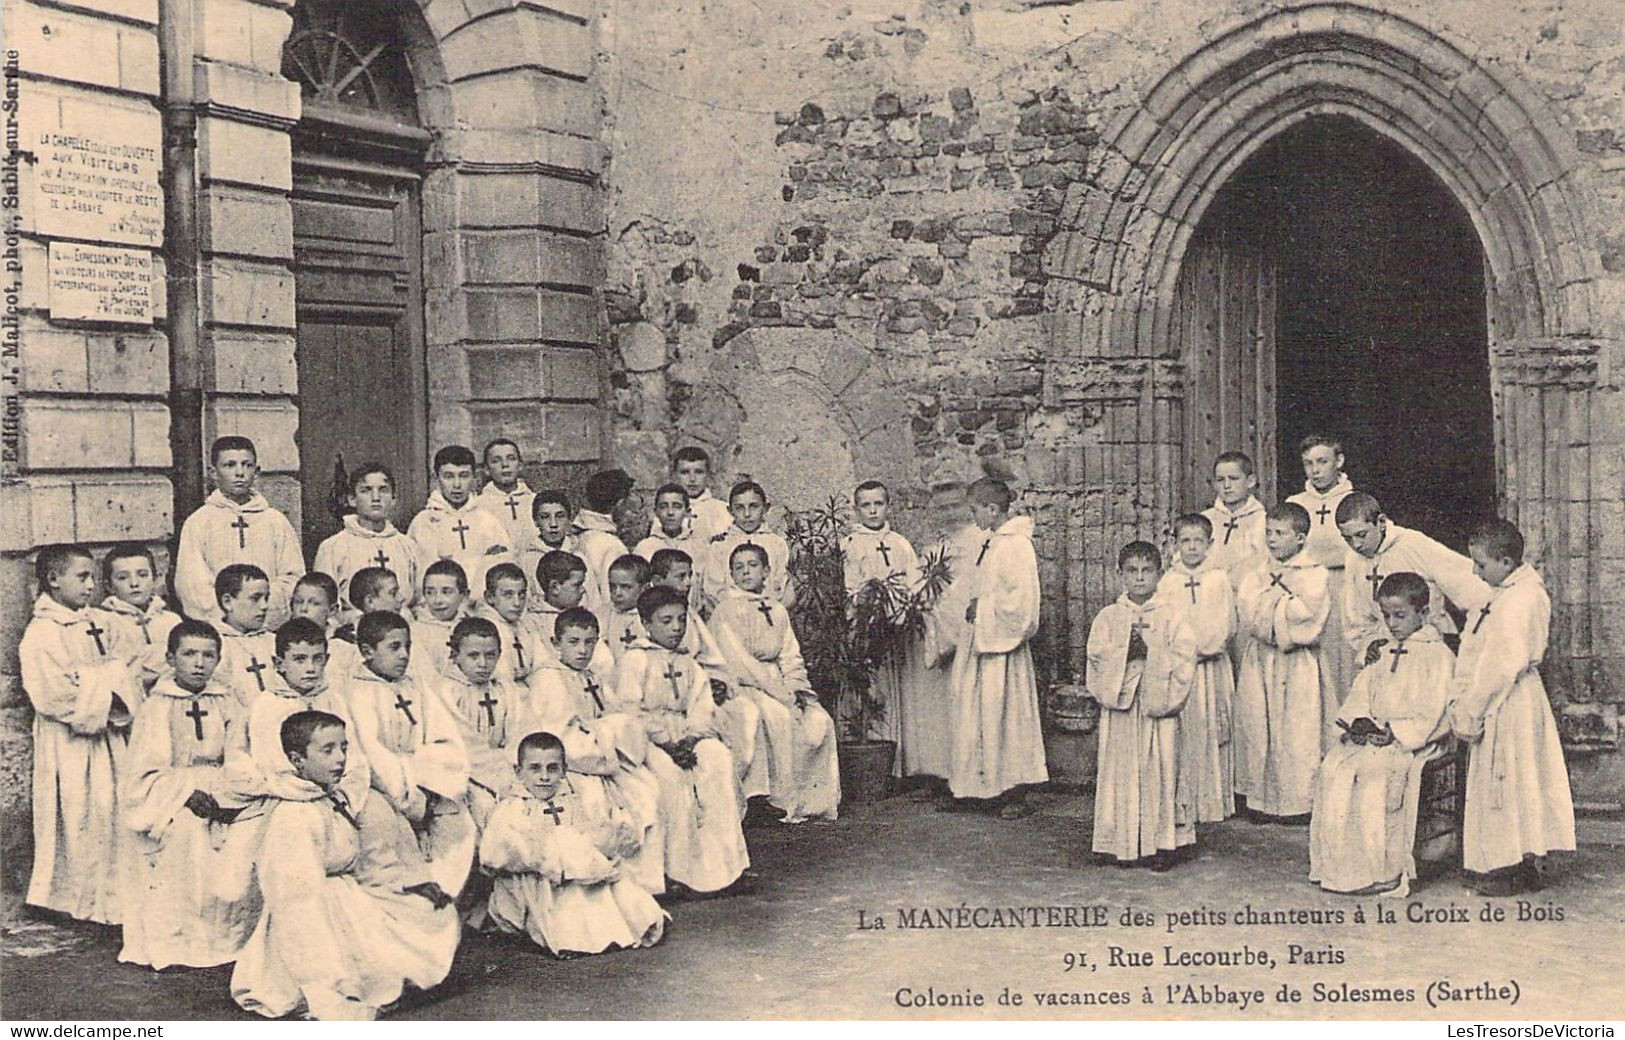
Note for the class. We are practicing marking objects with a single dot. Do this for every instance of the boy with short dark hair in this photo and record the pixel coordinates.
(551, 516)
(315, 599)
(691, 471)
(369, 537)
(673, 526)
(628, 577)
(247, 646)
(453, 525)
(504, 606)
(747, 502)
(139, 618)
(488, 705)
(1324, 487)
(235, 524)
(562, 578)
(442, 602)
(598, 541)
(1236, 515)
(506, 496)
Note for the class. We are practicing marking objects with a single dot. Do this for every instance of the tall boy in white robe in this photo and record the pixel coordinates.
(442, 602)
(84, 697)
(506, 592)
(628, 577)
(598, 540)
(1236, 515)
(1519, 807)
(1142, 658)
(414, 747)
(691, 470)
(551, 516)
(673, 526)
(453, 525)
(175, 909)
(998, 746)
(1204, 595)
(927, 727)
(343, 930)
(488, 706)
(748, 504)
(369, 538)
(247, 647)
(138, 616)
(756, 637)
(671, 695)
(1368, 787)
(558, 855)
(507, 497)
(1324, 488)
(235, 524)
(1281, 606)
(1379, 547)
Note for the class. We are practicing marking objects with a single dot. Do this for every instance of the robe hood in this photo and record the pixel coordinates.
(354, 527)
(168, 687)
(438, 503)
(860, 531)
(49, 609)
(588, 520)
(1016, 526)
(1523, 574)
(1343, 486)
(115, 605)
(256, 503)
(490, 488)
(1426, 634)
(1247, 508)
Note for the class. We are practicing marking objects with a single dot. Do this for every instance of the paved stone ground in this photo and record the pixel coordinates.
(791, 948)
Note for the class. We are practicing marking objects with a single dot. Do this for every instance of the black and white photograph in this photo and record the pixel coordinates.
(809, 510)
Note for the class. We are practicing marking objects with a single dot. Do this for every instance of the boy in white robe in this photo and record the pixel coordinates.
(598, 539)
(1324, 488)
(1379, 547)
(1204, 594)
(670, 694)
(1369, 785)
(487, 707)
(562, 577)
(414, 747)
(927, 728)
(452, 524)
(1519, 806)
(84, 697)
(756, 637)
(507, 497)
(998, 746)
(506, 592)
(552, 517)
(442, 602)
(369, 538)
(557, 854)
(691, 470)
(175, 909)
(1281, 606)
(343, 929)
(748, 504)
(628, 577)
(315, 599)
(1236, 515)
(879, 562)
(246, 645)
(673, 526)
(1142, 658)
(138, 616)
(605, 747)
(235, 524)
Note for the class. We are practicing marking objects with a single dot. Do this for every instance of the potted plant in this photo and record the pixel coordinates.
(847, 638)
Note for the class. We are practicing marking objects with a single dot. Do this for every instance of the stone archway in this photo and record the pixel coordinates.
(1116, 263)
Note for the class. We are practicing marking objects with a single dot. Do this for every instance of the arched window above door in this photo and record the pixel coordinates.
(350, 57)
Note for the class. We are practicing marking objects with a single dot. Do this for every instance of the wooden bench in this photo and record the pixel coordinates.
(1439, 809)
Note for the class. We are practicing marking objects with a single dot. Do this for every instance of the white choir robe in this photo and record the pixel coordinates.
(1206, 769)
(963, 551)
(471, 537)
(1281, 608)
(754, 633)
(512, 509)
(533, 555)
(1326, 547)
(222, 532)
(598, 543)
(1518, 797)
(431, 643)
(708, 516)
(339, 936)
(522, 644)
(606, 748)
(997, 740)
(488, 714)
(1447, 572)
(356, 547)
(559, 873)
(247, 665)
(1238, 537)
(81, 739)
(700, 807)
(414, 747)
(1366, 797)
(342, 656)
(1138, 809)
(542, 622)
(685, 541)
(178, 908)
(142, 633)
(258, 768)
(618, 630)
(715, 574)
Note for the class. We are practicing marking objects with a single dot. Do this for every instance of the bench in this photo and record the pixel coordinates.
(1439, 809)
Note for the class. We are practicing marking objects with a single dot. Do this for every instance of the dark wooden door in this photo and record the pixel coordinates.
(360, 351)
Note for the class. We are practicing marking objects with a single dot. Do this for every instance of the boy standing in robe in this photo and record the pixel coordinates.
(1369, 785)
(505, 593)
(1236, 515)
(998, 746)
(551, 516)
(246, 645)
(557, 854)
(1142, 658)
(598, 541)
(369, 538)
(442, 602)
(628, 577)
(487, 705)
(1519, 807)
(691, 470)
(748, 504)
(507, 497)
(1204, 594)
(1324, 488)
(235, 525)
(174, 909)
(342, 932)
(673, 526)
(453, 525)
(1281, 605)
(83, 697)
(671, 695)
(138, 616)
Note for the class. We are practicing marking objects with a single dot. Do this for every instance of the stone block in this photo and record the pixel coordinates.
(530, 257)
(574, 433)
(53, 359)
(507, 315)
(530, 145)
(78, 47)
(242, 292)
(61, 434)
(128, 362)
(530, 200)
(503, 373)
(250, 90)
(242, 154)
(145, 11)
(642, 347)
(528, 99)
(122, 508)
(519, 37)
(35, 510)
(150, 425)
(245, 222)
(271, 425)
(571, 373)
(240, 32)
(252, 362)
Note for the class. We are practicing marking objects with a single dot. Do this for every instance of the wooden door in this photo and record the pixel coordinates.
(360, 332)
(1225, 324)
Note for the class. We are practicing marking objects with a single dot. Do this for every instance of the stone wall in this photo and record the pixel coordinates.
(987, 199)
